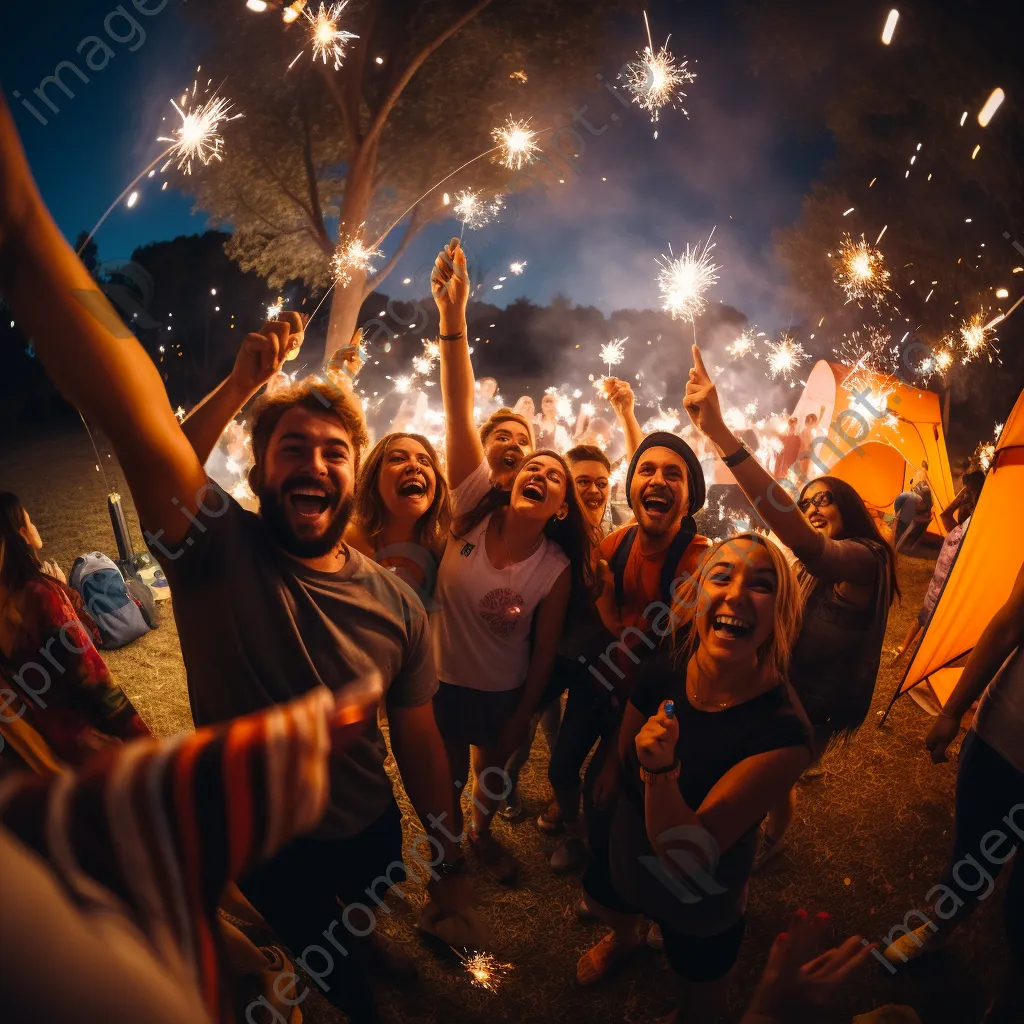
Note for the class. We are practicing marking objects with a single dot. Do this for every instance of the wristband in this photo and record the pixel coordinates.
(660, 776)
(451, 337)
(743, 452)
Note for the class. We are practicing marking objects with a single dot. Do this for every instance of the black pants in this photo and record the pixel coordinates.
(989, 800)
(298, 891)
(588, 716)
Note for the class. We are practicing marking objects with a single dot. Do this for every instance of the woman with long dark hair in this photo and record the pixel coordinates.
(67, 706)
(517, 559)
(403, 510)
(847, 575)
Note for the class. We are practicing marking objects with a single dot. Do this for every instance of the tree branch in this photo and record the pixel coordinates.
(384, 110)
(415, 223)
(311, 179)
(318, 228)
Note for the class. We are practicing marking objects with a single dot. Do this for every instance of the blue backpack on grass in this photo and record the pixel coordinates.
(107, 599)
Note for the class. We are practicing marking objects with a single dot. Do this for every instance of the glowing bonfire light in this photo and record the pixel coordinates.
(517, 143)
(684, 280)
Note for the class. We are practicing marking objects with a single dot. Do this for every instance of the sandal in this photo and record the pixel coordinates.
(497, 861)
(600, 959)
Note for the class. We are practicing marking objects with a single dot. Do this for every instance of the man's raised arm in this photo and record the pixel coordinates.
(94, 360)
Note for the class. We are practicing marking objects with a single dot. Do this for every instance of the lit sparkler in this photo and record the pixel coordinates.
(684, 279)
(474, 211)
(655, 80)
(402, 385)
(860, 271)
(517, 267)
(743, 345)
(973, 336)
(352, 257)
(613, 352)
(198, 138)
(667, 420)
(485, 971)
(517, 143)
(274, 310)
(325, 38)
(784, 356)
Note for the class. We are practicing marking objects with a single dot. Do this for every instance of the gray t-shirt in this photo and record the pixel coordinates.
(259, 628)
(999, 720)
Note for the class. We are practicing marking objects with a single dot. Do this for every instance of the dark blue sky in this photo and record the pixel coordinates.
(735, 164)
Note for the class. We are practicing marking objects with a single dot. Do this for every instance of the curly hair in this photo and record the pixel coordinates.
(432, 526)
(314, 394)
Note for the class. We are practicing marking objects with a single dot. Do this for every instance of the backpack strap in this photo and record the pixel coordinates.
(680, 542)
(617, 563)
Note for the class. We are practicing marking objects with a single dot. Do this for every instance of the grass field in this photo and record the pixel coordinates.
(870, 837)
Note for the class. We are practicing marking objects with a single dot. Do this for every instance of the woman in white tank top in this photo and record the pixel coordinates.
(517, 558)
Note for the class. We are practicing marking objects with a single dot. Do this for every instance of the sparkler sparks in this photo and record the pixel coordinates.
(351, 258)
(517, 142)
(274, 310)
(402, 385)
(974, 337)
(613, 352)
(784, 356)
(474, 211)
(743, 345)
(325, 38)
(684, 279)
(198, 138)
(655, 80)
(860, 271)
(517, 267)
(485, 971)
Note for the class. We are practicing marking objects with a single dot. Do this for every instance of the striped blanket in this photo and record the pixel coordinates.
(154, 829)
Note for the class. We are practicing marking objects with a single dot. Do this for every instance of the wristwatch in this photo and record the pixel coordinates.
(660, 776)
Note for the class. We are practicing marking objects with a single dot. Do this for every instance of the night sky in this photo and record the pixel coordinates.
(735, 165)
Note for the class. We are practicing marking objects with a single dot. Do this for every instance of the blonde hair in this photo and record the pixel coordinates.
(776, 650)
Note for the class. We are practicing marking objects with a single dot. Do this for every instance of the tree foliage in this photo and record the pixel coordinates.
(322, 152)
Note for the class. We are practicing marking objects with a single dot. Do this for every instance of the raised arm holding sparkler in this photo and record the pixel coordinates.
(621, 398)
(260, 357)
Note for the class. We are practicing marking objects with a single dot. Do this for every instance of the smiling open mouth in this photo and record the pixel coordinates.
(732, 627)
(309, 502)
(818, 521)
(534, 492)
(512, 458)
(412, 488)
(657, 504)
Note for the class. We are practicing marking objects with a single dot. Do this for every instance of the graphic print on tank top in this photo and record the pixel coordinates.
(500, 609)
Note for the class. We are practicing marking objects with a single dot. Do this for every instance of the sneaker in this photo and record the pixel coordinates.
(570, 854)
(550, 822)
(655, 939)
(513, 808)
(767, 850)
(600, 959)
(497, 861)
(912, 945)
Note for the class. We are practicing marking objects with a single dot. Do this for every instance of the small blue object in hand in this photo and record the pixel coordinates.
(670, 709)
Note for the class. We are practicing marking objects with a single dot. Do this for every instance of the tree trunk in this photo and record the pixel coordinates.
(355, 206)
(946, 391)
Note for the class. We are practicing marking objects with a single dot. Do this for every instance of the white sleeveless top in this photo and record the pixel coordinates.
(482, 615)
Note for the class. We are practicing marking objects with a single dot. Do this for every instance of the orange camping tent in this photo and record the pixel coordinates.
(990, 556)
(880, 431)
